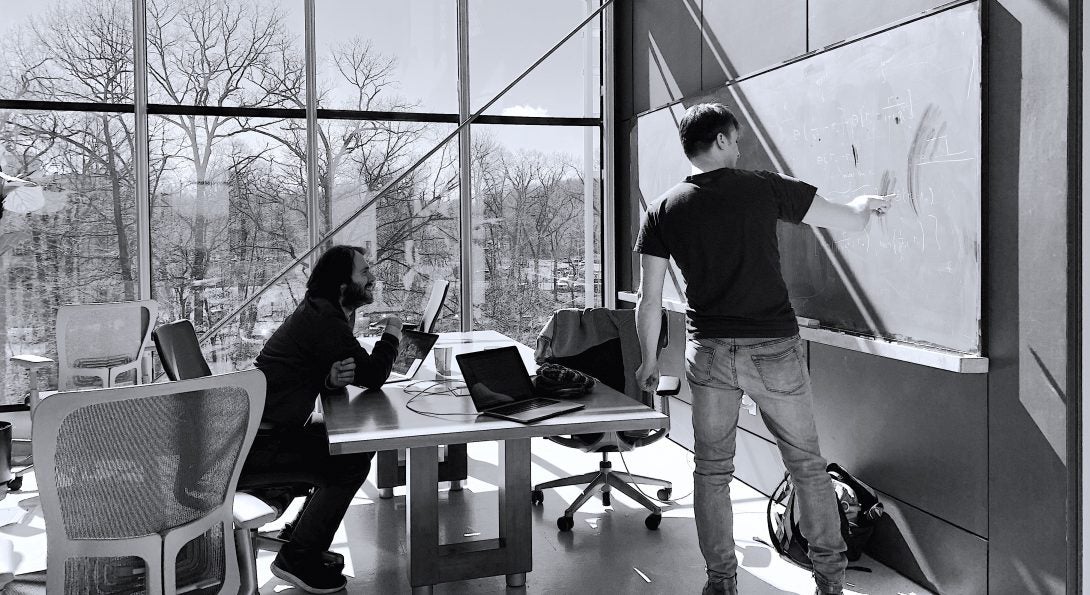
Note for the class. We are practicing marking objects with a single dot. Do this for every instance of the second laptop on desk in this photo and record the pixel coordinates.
(500, 387)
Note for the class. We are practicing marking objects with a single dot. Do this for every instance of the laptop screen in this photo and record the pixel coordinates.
(412, 350)
(495, 377)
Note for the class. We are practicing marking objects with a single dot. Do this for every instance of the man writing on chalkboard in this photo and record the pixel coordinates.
(719, 226)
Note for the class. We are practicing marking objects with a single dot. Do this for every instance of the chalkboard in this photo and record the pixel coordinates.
(898, 112)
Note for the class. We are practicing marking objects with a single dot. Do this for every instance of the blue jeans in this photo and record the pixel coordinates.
(773, 373)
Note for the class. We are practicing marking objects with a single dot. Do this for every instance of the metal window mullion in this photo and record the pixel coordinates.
(465, 174)
(314, 207)
(609, 156)
(141, 157)
(590, 92)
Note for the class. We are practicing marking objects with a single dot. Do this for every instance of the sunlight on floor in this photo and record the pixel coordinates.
(608, 551)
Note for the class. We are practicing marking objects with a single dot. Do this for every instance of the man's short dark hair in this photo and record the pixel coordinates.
(333, 269)
(701, 125)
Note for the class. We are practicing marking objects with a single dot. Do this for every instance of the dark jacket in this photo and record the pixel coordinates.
(297, 358)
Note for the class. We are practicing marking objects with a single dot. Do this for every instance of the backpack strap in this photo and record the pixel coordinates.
(778, 496)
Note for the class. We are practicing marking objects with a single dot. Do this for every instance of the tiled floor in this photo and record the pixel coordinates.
(608, 552)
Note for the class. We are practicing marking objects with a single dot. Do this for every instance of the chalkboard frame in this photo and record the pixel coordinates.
(920, 353)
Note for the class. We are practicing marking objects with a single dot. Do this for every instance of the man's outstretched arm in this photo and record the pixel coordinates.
(852, 216)
(649, 318)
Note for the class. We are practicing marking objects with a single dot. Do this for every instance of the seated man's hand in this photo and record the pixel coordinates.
(390, 324)
(342, 373)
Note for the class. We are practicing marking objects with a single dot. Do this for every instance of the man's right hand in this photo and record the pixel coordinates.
(647, 376)
(877, 204)
(391, 324)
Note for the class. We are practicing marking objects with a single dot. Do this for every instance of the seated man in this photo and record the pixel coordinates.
(315, 351)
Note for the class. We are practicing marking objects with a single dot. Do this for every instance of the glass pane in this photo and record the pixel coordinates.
(76, 242)
(507, 36)
(67, 50)
(226, 53)
(530, 186)
(411, 232)
(387, 56)
(228, 213)
(662, 165)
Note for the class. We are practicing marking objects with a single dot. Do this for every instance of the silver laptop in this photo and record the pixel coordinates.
(411, 351)
(500, 387)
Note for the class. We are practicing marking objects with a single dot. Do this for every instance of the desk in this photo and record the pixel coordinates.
(363, 421)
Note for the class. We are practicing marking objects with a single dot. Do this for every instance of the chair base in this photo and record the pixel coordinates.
(603, 481)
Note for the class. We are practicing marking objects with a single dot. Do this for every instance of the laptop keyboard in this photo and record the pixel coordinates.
(522, 407)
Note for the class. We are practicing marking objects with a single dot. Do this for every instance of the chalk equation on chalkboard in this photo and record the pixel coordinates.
(895, 113)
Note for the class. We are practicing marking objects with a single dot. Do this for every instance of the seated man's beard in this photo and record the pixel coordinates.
(355, 295)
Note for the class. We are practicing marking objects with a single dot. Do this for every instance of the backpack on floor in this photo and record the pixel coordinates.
(857, 505)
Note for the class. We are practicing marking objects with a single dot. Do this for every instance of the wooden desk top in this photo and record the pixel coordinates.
(362, 421)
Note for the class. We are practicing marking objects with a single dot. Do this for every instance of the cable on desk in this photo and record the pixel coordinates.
(448, 387)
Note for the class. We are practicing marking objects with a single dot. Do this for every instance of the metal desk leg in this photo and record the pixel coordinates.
(422, 517)
(510, 555)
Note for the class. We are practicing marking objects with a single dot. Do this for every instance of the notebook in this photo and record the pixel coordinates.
(500, 387)
(411, 351)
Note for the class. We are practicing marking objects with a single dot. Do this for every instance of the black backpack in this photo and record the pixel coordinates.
(858, 506)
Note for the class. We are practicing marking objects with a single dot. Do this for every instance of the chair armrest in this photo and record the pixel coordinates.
(668, 386)
(250, 512)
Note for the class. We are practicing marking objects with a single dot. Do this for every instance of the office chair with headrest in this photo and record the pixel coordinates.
(180, 354)
(602, 343)
(98, 345)
(109, 463)
(454, 458)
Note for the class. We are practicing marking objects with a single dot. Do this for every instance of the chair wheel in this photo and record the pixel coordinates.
(565, 523)
(15, 484)
(537, 497)
(664, 493)
(652, 521)
(605, 499)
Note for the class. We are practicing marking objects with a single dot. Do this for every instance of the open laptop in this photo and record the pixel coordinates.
(411, 351)
(500, 387)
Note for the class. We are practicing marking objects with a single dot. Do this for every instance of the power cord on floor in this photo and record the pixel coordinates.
(688, 461)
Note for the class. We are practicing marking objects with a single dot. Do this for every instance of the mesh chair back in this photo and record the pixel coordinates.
(180, 350)
(134, 476)
(94, 337)
(436, 297)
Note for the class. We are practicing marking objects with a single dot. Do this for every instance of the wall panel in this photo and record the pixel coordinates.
(665, 51)
(831, 21)
(917, 433)
(737, 38)
(1025, 304)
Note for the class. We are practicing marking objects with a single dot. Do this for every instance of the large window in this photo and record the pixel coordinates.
(531, 210)
(243, 176)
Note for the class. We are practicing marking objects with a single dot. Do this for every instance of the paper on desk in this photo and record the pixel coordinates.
(10, 516)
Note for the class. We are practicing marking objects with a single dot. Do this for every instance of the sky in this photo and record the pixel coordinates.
(506, 36)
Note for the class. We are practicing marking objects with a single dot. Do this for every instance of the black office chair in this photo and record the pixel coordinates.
(180, 354)
(602, 343)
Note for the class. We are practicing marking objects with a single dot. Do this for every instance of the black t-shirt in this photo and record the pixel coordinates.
(720, 228)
